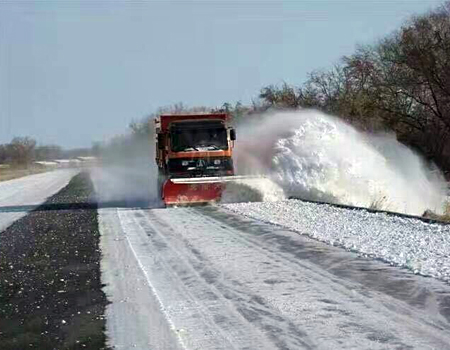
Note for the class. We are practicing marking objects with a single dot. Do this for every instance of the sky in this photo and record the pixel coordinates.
(77, 72)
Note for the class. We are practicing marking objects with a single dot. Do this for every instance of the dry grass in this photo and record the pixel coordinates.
(446, 216)
(379, 203)
(11, 173)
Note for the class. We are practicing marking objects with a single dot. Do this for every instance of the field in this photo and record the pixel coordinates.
(14, 173)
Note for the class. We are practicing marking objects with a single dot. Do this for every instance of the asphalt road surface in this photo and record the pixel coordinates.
(205, 278)
(198, 278)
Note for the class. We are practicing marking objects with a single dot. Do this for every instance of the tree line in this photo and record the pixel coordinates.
(401, 84)
(23, 151)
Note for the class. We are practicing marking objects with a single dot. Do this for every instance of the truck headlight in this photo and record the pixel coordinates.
(184, 163)
(216, 161)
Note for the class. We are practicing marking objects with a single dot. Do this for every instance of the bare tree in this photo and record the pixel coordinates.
(21, 150)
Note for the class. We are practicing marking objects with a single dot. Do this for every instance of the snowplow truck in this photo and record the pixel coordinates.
(194, 157)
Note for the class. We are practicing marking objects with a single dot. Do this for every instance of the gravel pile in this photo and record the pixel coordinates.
(419, 246)
(50, 289)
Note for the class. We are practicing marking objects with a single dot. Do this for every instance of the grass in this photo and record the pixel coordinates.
(379, 203)
(446, 216)
(14, 173)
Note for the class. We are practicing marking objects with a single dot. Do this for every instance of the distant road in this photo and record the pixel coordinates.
(29, 191)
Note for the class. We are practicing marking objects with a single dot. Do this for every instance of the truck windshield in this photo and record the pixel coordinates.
(199, 137)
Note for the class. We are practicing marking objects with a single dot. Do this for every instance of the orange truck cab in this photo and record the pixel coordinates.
(193, 154)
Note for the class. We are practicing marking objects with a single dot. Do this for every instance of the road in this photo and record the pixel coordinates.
(19, 196)
(206, 278)
(235, 276)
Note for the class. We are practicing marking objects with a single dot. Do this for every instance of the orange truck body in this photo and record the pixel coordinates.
(193, 154)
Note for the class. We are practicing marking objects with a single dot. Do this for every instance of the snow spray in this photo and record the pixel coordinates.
(314, 156)
(128, 174)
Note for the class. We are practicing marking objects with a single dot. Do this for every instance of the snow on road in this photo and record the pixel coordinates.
(205, 278)
(19, 196)
(421, 247)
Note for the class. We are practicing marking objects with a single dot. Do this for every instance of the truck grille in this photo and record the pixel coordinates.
(191, 167)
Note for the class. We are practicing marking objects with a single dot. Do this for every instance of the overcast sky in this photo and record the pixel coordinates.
(73, 72)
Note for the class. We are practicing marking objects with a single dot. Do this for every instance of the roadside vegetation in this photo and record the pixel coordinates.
(7, 173)
(22, 151)
(18, 158)
(446, 216)
(379, 203)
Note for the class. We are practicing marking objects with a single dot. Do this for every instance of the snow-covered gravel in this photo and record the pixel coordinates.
(422, 247)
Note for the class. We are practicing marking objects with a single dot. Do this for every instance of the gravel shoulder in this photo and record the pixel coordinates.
(50, 288)
(420, 246)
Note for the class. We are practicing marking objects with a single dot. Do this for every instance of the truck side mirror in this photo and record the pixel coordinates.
(161, 144)
(232, 135)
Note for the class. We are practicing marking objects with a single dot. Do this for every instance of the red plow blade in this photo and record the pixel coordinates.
(176, 193)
